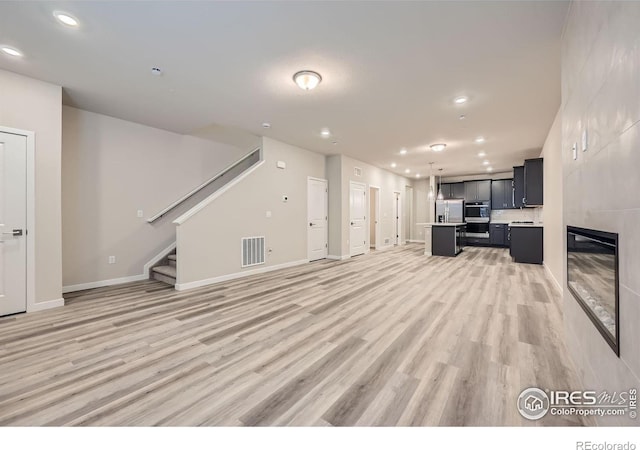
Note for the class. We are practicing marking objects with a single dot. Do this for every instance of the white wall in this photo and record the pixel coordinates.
(388, 184)
(421, 208)
(32, 105)
(600, 92)
(333, 174)
(209, 241)
(553, 230)
(111, 169)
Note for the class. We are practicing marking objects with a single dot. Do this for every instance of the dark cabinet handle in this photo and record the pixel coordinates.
(353, 223)
(310, 224)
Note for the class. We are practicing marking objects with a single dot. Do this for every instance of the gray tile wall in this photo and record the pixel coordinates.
(601, 93)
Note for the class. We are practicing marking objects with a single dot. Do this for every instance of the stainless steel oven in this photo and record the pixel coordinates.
(477, 210)
(477, 216)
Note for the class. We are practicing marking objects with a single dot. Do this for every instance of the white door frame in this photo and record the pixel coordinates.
(397, 240)
(30, 234)
(326, 199)
(375, 217)
(366, 219)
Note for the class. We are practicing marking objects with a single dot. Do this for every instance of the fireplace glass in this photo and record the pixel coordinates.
(592, 278)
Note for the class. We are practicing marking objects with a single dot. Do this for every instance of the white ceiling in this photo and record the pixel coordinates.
(390, 71)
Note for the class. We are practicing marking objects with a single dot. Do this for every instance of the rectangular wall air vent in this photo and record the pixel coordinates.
(357, 171)
(252, 251)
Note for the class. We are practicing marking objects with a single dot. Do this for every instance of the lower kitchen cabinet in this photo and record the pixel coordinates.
(526, 244)
(498, 234)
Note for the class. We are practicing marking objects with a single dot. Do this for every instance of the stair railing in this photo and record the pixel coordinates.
(193, 192)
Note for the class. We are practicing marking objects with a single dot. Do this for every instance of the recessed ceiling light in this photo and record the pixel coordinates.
(438, 147)
(489, 169)
(393, 165)
(485, 163)
(66, 19)
(403, 151)
(479, 140)
(11, 51)
(325, 133)
(482, 154)
(417, 175)
(462, 117)
(307, 79)
(407, 171)
(335, 142)
(460, 100)
(266, 125)
(157, 71)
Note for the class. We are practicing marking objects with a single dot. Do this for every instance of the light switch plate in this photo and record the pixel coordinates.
(281, 165)
(268, 214)
(574, 149)
(112, 259)
(140, 213)
(584, 140)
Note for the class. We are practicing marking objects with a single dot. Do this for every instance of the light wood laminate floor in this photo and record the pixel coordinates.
(388, 338)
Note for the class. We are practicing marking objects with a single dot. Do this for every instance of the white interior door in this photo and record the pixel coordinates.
(317, 215)
(357, 216)
(13, 220)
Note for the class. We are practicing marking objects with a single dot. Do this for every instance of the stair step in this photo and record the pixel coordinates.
(172, 257)
(172, 263)
(166, 274)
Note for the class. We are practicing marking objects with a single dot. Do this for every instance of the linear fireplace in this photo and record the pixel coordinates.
(592, 279)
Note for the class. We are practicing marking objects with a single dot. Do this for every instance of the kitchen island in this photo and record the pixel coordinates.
(447, 239)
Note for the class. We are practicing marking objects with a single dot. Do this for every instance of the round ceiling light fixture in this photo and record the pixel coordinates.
(479, 140)
(403, 151)
(394, 165)
(489, 169)
(460, 100)
(407, 171)
(11, 51)
(266, 125)
(66, 19)
(485, 163)
(438, 147)
(417, 175)
(482, 154)
(325, 133)
(307, 79)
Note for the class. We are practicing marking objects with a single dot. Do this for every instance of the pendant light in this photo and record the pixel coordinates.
(431, 181)
(440, 196)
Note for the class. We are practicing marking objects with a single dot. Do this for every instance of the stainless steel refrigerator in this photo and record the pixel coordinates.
(451, 211)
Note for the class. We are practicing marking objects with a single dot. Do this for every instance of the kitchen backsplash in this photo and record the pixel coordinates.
(510, 215)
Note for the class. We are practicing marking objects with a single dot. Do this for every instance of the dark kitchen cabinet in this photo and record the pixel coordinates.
(533, 182)
(526, 244)
(445, 188)
(457, 190)
(502, 194)
(498, 234)
(518, 186)
(477, 191)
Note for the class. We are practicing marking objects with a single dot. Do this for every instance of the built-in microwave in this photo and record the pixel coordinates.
(477, 210)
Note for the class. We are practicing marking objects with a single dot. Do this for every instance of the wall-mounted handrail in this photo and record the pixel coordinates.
(193, 192)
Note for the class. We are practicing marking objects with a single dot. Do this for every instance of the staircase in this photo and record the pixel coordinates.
(166, 273)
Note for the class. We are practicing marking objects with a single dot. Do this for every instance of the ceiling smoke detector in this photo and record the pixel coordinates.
(157, 71)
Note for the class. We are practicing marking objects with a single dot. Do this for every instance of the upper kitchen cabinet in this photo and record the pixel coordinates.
(533, 182)
(502, 196)
(445, 188)
(477, 191)
(518, 186)
(457, 190)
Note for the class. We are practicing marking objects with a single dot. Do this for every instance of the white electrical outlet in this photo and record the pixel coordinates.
(574, 150)
(140, 213)
(112, 259)
(285, 198)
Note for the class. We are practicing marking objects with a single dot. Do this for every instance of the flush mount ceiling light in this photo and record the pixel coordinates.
(266, 125)
(307, 79)
(11, 51)
(66, 19)
(394, 165)
(479, 140)
(460, 100)
(482, 154)
(437, 147)
(325, 133)
(403, 151)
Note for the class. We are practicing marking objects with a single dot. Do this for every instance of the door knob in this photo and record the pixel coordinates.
(310, 224)
(353, 223)
(15, 232)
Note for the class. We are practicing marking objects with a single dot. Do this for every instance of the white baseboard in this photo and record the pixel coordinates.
(233, 276)
(103, 283)
(384, 247)
(416, 241)
(555, 282)
(338, 258)
(427, 254)
(41, 306)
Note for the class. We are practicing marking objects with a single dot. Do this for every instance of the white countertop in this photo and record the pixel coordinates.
(504, 222)
(526, 225)
(446, 224)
